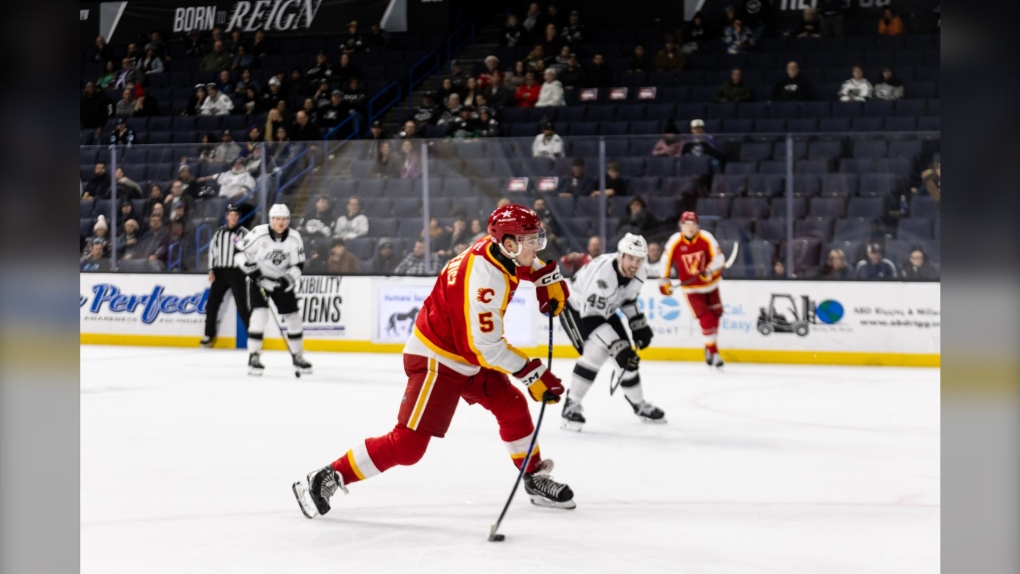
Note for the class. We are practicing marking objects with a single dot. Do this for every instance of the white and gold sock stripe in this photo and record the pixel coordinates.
(361, 463)
(518, 449)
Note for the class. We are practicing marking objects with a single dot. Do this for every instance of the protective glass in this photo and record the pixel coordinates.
(536, 242)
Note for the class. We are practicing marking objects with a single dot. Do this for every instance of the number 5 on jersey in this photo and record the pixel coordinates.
(485, 322)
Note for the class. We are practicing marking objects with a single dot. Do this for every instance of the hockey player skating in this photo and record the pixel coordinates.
(273, 257)
(610, 282)
(457, 350)
(699, 262)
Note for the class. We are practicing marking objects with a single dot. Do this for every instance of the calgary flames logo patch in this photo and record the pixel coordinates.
(485, 294)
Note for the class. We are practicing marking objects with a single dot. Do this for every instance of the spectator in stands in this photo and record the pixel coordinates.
(100, 234)
(670, 58)
(836, 266)
(551, 92)
(918, 268)
(157, 211)
(99, 186)
(738, 38)
(810, 26)
(355, 98)
(458, 77)
(857, 88)
(261, 46)
(488, 126)
(107, 77)
(470, 92)
(491, 69)
(151, 64)
(94, 260)
(931, 181)
(127, 187)
(698, 143)
(130, 236)
(778, 269)
(533, 21)
(101, 53)
(177, 193)
(303, 130)
(831, 12)
(353, 41)
(126, 103)
(552, 42)
(536, 60)
(385, 260)
(695, 33)
(122, 134)
(477, 230)
(515, 77)
(150, 252)
(322, 93)
(498, 95)
(729, 16)
(573, 32)
(126, 212)
(95, 109)
(571, 74)
(889, 87)
(411, 167)
(573, 262)
(793, 87)
(874, 266)
(321, 70)
(145, 106)
(224, 84)
(194, 105)
(639, 60)
(353, 223)
(155, 198)
(387, 164)
(193, 47)
(207, 147)
(128, 74)
(598, 75)
(890, 24)
(332, 114)
(451, 113)
(228, 149)
(465, 126)
(217, 103)
(254, 163)
(234, 183)
(295, 86)
(340, 260)
(615, 184)
(577, 184)
(376, 136)
(755, 14)
(218, 59)
(311, 111)
(636, 219)
(552, 16)
(377, 37)
(414, 262)
(446, 89)
(735, 90)
(527, 95)
(427, 113)
(548, 143)
(502, 201)
(346, 70)
(669, 145)
(254, 140)
(459, 234)
(273, 94)
(178, 210)
(510, 36)
(654, 256)
(439, 236)
(242, 59)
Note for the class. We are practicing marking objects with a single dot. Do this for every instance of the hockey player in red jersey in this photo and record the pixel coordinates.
(457, 350)
(699, 262)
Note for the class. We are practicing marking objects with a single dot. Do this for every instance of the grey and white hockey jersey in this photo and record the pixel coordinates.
(275, 255)
(596, 289)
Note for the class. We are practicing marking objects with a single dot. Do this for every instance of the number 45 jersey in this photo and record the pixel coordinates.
(598, 290)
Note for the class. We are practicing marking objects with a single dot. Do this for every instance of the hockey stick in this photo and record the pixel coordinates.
(493, 536)
(617, 379)
(729, 263)
(279, 326)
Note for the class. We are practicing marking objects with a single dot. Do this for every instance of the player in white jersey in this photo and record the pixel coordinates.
(608, 283)
(273, 257)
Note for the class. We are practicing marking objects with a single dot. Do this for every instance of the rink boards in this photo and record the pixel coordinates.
(887, 323)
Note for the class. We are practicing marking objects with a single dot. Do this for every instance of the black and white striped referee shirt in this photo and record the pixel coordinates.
(221, 248)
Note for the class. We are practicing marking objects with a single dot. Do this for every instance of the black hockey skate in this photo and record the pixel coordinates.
(207, 341)
(713, 359)
(544, 491)
(314, 493)
(648, 412)
(255, 366)
(301, 366)
(573, 415)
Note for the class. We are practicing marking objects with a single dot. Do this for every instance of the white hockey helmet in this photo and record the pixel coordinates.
(634, 245)
(281, 210)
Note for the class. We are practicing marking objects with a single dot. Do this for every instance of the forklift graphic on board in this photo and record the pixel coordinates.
(783, 316)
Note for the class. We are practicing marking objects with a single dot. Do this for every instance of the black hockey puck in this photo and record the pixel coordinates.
(297, 374)
(497, 538)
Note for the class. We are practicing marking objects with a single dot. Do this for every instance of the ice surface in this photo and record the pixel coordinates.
(186, 466)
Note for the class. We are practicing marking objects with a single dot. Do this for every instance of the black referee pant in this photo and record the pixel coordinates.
(224, 279)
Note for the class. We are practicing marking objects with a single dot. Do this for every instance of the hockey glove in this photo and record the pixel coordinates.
(624, 355)
(540, 382)
(666, 287)
(640, 330)
(268, 283)
(286, 283)
(251, 269)
(550, 286)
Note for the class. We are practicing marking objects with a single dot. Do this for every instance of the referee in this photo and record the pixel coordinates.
(224, 275)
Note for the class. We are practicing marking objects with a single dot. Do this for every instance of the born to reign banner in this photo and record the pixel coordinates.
(125, 21)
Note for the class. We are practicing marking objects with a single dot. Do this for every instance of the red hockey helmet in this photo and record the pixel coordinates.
(689, 216)
(517, 221)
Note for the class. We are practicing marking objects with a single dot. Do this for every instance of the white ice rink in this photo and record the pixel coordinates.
(186, 466)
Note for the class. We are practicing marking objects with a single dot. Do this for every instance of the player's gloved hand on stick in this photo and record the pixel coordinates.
(641, 331)
(541, 382)
(550, 286)
(625, 355)
(666, 287)
(268, 283)
(706, 275)
(286, 283)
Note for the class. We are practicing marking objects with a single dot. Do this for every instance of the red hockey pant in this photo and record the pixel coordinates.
(707, 307)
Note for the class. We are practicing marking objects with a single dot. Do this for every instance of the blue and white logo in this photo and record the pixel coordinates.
(829, 312)
(151, 304)
(661, 308)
